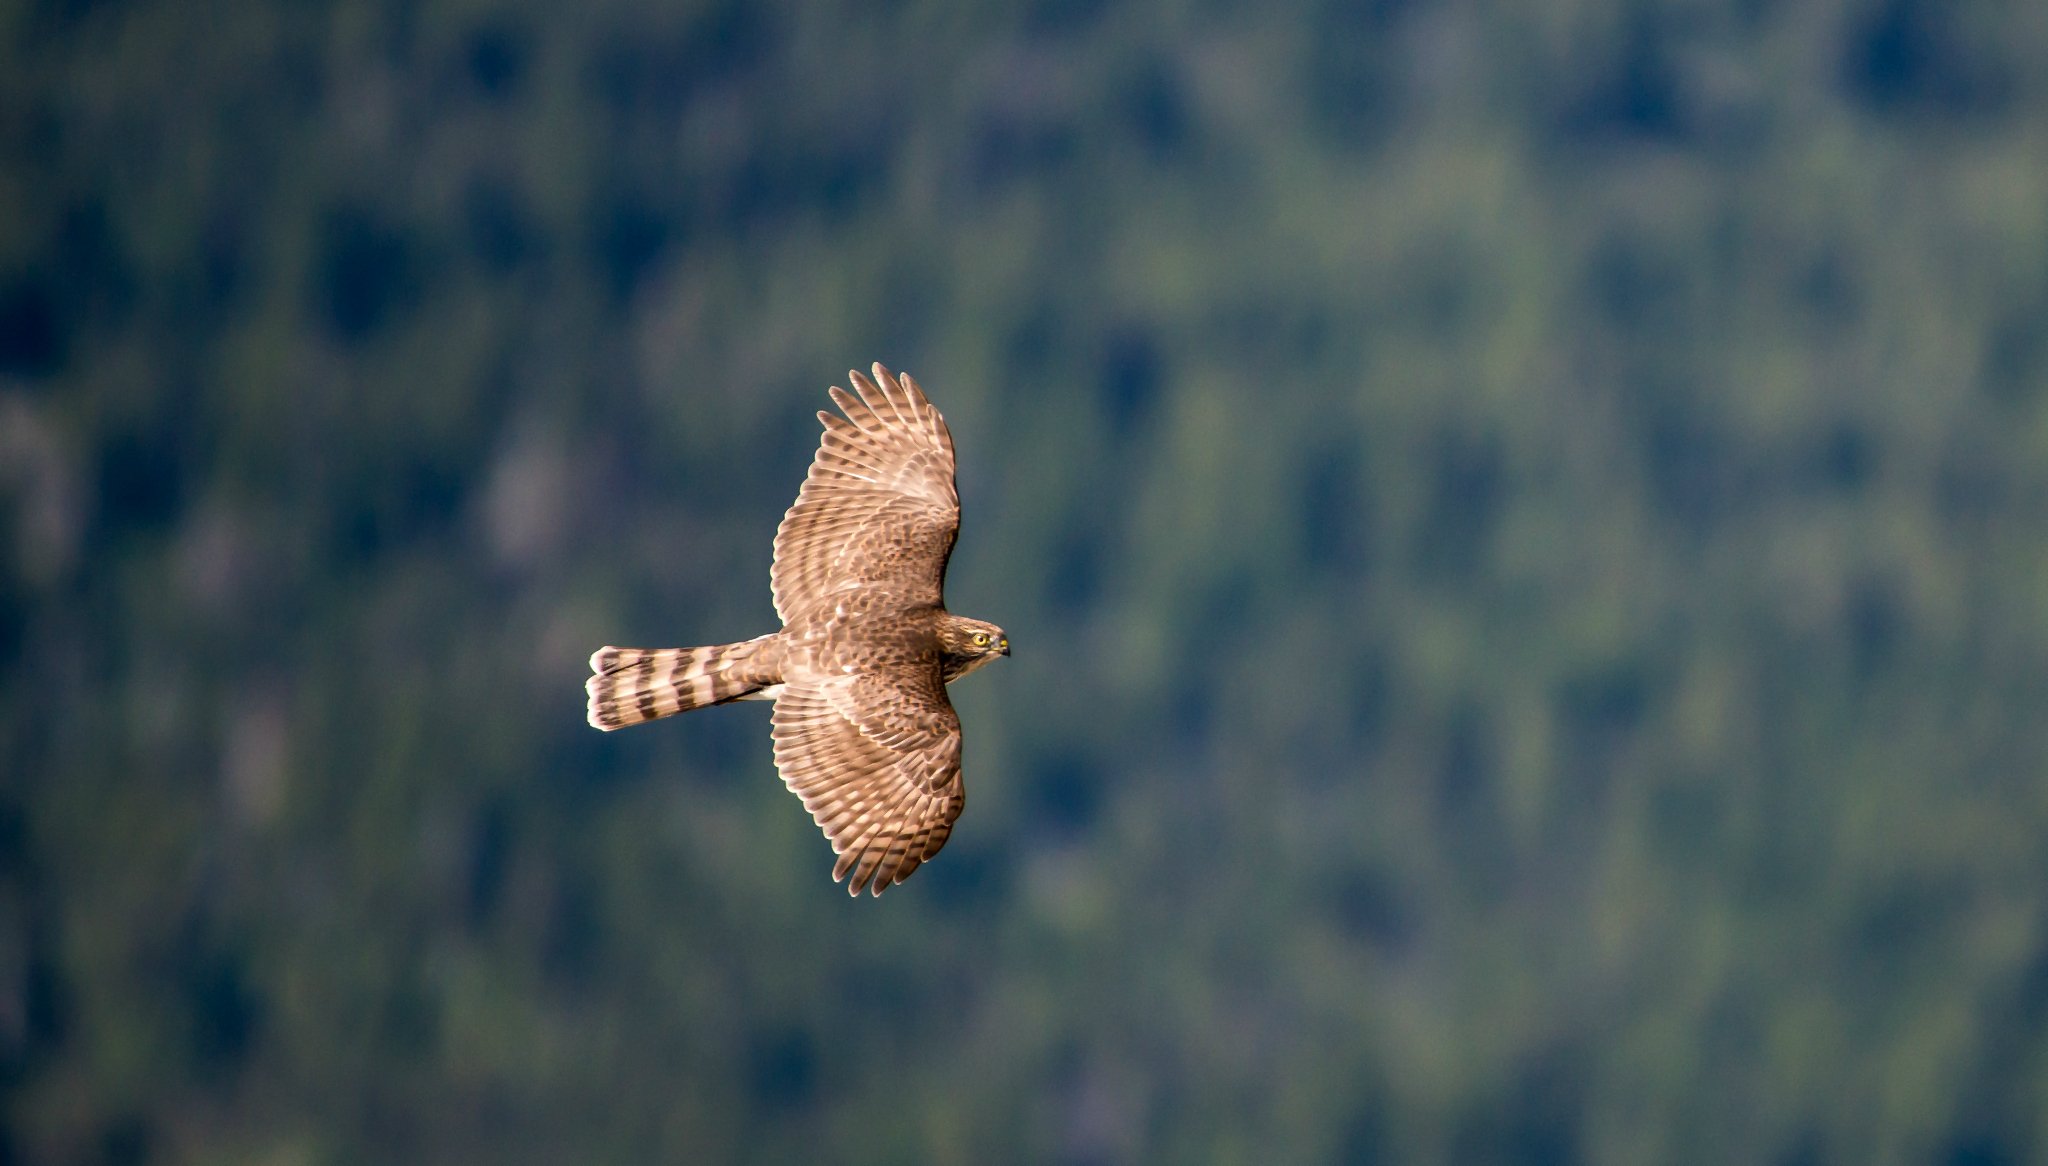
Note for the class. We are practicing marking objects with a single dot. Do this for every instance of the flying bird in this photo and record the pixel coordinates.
(863, 731)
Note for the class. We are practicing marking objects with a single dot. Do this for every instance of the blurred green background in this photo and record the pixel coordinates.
(1525, 529)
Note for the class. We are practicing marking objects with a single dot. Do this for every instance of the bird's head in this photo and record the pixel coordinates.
(970, 643)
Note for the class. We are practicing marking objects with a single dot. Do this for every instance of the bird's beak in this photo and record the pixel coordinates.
(1003, 645)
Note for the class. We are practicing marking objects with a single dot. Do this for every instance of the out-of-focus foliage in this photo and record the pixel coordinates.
(1525, 529)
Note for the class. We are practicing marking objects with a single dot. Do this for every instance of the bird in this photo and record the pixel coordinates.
(863, 731)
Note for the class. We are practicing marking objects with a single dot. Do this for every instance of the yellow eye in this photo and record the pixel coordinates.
(981, 639)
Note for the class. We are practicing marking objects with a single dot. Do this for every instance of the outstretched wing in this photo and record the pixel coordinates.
(879, 507)
(876, 759)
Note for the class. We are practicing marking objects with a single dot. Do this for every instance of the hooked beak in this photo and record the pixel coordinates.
(1003, 645)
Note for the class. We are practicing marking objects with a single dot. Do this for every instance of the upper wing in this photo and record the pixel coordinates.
(879, 506)
(876, 760)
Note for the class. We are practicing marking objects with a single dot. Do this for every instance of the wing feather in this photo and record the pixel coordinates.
(885, 826)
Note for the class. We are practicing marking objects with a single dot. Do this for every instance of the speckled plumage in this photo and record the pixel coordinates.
(863, 731)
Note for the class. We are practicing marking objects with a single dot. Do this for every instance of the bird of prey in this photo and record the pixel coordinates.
(863, 731)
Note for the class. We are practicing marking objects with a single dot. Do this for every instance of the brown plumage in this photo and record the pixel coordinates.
(863, 731)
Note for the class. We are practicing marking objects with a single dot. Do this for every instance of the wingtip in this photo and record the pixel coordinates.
(857, 880)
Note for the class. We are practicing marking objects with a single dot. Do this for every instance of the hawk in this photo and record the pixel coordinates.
(863, 731)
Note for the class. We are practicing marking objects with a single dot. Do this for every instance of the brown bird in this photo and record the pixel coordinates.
(863, 731)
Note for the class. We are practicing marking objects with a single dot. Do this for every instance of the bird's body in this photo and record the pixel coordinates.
(863, 731)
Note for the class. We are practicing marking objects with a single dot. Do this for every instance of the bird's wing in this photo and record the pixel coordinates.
(875, 756)
(879, 507)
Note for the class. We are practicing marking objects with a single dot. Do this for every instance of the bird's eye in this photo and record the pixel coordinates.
(981, 639)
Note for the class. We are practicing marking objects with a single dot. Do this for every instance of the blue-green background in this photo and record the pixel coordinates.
(1525, 530)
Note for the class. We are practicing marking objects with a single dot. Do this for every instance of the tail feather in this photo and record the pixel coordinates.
(631, 685)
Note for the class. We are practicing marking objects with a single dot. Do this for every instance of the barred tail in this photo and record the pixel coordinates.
(632, 685)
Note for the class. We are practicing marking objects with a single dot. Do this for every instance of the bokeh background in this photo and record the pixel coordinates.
(1525, 530)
